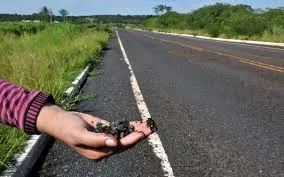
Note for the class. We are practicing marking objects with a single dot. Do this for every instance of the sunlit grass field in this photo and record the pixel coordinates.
(45, 57)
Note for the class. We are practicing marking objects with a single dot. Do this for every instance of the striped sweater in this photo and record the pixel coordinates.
(19, 107)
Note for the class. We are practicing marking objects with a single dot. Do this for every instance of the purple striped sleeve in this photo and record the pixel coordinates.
(20, 108)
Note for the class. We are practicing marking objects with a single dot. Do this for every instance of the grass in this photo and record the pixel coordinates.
(22, 28)
(276, 35)
(46, 60)
(11, 141)
(72, 102)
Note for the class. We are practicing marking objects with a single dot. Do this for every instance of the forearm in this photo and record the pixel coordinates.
(19, 107)
(49, 119)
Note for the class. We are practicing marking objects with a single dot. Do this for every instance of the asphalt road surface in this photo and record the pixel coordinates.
(219, 107)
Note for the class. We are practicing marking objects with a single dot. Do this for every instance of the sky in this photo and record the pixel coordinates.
(123, 7)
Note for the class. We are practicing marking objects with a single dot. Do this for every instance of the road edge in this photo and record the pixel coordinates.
(37, 144)
(219, 39)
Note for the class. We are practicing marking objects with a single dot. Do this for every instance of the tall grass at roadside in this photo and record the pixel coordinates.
(275, 34)
(22, 28)
(47, 61)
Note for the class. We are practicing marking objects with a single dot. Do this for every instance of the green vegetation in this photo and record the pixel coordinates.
(106, 19)
(72, 102)
(46, 15)
(44, 57)
(20, 29)
(162, 8)
(224, 20)
(64, 14)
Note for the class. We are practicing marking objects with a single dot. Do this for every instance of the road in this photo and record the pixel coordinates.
(219, 107)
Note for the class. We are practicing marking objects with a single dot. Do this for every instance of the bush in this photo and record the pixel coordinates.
(276, 30)
(195, 34)
(213, 30)
(247, 25)
(152, 23)
(274, 17)
(172, 20)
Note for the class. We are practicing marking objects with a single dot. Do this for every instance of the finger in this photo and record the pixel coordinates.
(96, 140)
(94, 154)
(91, 120)
(131, 139)
(141, 126)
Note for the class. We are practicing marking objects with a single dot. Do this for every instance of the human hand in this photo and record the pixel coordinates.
(76, 130)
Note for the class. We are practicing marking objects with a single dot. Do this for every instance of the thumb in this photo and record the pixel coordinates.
(97, 140)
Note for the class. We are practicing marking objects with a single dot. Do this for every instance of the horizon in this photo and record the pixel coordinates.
(125, 7)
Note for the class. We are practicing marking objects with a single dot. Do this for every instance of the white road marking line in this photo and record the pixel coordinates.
(248, 45)
(222, 39)
(233, 43)
(154, 139)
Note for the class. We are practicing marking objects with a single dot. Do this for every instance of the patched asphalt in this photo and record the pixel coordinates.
(216, 116)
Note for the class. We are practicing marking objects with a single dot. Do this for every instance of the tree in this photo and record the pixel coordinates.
(172, 20)
(160, 9)
(44, 13)
(275, 17)
(63, 13)
(50, 13)
(168, 8)
(44, 10)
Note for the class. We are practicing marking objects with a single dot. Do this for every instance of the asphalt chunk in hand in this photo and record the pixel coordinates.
(123, 128)
(152, 125)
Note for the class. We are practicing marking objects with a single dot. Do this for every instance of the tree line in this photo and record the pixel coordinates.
(45, 14)
(231, 20)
